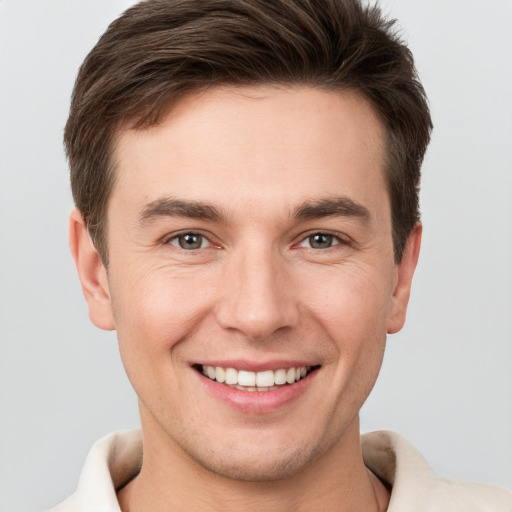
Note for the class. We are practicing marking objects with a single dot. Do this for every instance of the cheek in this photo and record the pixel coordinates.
(153, 316)
(157, 311)
(352, 309)
(351, 303)
(357, 326)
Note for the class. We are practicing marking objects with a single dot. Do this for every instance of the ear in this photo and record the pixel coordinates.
(405, 271)
(92, 273)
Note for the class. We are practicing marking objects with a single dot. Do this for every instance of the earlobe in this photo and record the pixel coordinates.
(92, 273)
(405, 271)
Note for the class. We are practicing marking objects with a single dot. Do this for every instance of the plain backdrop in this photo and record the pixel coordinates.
(446, 383)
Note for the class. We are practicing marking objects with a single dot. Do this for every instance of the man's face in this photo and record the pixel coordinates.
(249, 235)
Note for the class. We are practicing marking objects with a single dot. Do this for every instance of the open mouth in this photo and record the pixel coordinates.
(268, 380)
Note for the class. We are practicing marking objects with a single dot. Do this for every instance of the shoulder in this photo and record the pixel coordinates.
(112, 462)
(415, 487)
(470, 496)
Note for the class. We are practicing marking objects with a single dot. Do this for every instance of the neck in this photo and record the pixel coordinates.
(170, 481)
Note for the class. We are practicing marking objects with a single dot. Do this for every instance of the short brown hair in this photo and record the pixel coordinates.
(160, 50)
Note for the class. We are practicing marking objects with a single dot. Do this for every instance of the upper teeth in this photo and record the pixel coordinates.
(265, 379)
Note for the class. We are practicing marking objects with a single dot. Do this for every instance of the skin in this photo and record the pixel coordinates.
(256, 290)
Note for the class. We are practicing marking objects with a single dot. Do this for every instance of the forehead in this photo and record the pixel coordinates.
(240, 145)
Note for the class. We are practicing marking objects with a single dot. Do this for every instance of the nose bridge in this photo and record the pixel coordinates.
(258, 298)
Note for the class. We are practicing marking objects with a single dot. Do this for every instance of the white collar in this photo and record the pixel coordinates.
(115, 459)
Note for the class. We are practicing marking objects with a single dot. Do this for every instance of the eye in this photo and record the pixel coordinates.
(320, 241)
(189, 241)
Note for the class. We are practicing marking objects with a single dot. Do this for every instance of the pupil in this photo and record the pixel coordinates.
(190, 241)
(321, 241)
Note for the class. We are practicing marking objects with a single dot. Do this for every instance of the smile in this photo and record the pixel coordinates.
(267, 380)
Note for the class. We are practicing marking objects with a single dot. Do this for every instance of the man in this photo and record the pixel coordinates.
(246, 179)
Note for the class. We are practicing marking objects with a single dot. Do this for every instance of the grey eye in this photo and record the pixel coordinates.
(320, 241)
(189, 241)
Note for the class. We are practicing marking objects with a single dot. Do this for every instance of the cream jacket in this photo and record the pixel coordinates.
(116, 459)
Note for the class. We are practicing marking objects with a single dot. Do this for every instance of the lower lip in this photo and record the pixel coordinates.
(257, 401)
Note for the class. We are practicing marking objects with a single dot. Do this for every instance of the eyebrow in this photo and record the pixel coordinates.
(332, 207)
(169, 207)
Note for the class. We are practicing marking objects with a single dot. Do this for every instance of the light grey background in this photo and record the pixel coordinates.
(446, 383)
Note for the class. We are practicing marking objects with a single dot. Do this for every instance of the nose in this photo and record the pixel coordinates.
(258, 295)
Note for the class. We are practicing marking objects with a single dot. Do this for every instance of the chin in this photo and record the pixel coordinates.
(257, 467)
(256, 459)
